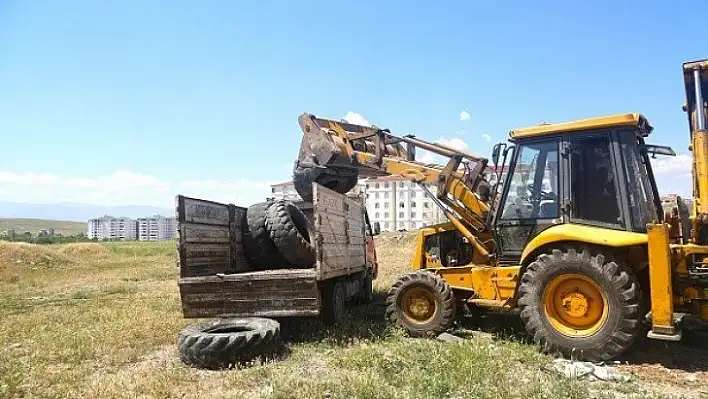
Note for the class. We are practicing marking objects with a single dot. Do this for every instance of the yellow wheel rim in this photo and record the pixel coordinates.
(419, 305)
(575, 305)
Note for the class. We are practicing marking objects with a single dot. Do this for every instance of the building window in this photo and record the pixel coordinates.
(376, 195)
(386, 215)
(385, 185)
(426, 204)
(377, 215)
(412, 194)
(425, 215)
(377, 185)
(385, 225)
(401, 205)
(412, 204)
(385, 204)
(401, 225)
(376, 205)
(386, 194)
(401, 215)
(400, 184)
(412, 215)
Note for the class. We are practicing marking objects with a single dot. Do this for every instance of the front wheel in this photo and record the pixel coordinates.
(422, 303)
(580, 305)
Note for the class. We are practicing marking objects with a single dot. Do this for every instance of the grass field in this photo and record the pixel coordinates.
(101, 321)
(64, 228)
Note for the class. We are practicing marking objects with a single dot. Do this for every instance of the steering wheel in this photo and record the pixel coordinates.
(544, 195)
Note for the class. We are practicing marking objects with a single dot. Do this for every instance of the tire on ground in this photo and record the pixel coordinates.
(422, 303)
(259, 249)
(229, 342)
(563, 321)
(341, 180)
(291, 233)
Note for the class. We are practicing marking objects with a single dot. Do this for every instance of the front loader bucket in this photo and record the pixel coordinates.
(328, 154)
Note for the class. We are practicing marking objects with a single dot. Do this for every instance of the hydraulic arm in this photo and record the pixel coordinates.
(369, 151)
(696, 85)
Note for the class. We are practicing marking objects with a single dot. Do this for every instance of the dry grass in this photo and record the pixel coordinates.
(101, 320)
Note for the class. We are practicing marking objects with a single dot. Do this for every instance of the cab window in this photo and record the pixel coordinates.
(533, 187)
(593, 181)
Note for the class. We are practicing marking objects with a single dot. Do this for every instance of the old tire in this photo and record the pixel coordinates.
(341, 180)
(367, 289)
(333, 302)
(258, 247)
(580, 305)
(291, 233)
(422, 303)
(228, 342)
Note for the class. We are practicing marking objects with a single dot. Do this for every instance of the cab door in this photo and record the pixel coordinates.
(530, 198)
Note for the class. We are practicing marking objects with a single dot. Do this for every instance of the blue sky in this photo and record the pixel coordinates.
(132, 102)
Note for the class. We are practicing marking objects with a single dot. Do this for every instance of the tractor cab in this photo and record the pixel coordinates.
(594, 173)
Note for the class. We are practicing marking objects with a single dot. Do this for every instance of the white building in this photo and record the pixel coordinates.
(399, 204)
(286, 191)
(157, 228)
(109, 227)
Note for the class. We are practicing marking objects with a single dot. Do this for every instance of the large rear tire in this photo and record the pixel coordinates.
(422, 303)
(291, 233)
(580, 305)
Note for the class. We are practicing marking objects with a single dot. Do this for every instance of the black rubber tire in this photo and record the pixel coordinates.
(341, 180)
(258, 247)
(291, 233)
(444, 298)
(333, 302)
(620, 287)
(228, 342)
(367, 289)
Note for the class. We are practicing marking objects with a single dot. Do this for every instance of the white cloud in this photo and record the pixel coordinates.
(355, 118)
(456, 143)
(429, 157)
(465, 116)
(673, 174)
(487, 138)
(124, 188)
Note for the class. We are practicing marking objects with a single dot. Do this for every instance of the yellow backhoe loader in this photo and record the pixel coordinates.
(572, 233)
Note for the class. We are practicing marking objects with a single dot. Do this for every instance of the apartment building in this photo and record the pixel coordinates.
(157, 228)
(109, 227)
(398, 204)
(286, 191)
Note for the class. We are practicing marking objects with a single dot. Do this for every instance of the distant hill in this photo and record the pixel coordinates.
(76, 212)
(65, 228)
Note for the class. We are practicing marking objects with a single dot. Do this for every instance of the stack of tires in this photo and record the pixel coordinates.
(278, 235)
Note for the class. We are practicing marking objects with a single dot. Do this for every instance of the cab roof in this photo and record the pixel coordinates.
(635, 119)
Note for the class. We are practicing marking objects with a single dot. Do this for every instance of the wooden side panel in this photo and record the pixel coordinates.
(271, 293)
(210, 235)
(340, 225)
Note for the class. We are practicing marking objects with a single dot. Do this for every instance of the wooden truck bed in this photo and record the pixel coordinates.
(215, 277)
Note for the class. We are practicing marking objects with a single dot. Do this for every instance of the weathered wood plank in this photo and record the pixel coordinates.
(206, 254)
(199, 233)
(204, 313)
(332, 239)
(295, 294)
(206, 212)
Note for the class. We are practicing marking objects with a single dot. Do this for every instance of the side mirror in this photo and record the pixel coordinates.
(495, 153)
(377, 228)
